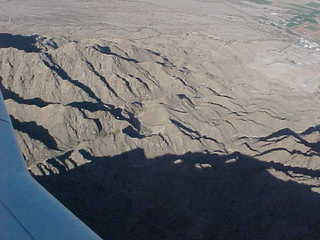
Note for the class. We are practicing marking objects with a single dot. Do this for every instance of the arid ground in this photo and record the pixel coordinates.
(181, 119)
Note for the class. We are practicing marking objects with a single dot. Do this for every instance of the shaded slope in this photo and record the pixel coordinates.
(129, 195)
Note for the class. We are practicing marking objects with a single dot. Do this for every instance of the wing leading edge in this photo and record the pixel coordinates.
(27, 210)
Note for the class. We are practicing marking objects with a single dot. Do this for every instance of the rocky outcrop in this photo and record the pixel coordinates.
(112, 96)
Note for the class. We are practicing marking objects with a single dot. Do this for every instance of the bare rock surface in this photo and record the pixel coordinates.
(188, 120)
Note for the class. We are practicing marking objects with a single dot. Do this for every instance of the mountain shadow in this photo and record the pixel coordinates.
(20, 42)
(192, 196)
(278, 136)
(36, 132)
(106, 50)
(9, 94)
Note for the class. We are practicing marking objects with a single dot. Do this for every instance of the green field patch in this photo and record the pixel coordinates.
(314, 4)
(261, 1)
(304, 15)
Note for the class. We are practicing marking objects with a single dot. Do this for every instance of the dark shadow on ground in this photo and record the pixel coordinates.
(171, 197)
(9, 94)
(36, 132)
(107, 50)
(25, 43)
(135, 126)
(59, 162)
(278, 136)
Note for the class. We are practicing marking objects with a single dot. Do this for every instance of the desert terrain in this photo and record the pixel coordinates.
(181, 119)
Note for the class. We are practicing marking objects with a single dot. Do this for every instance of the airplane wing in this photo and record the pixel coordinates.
(27, 210)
